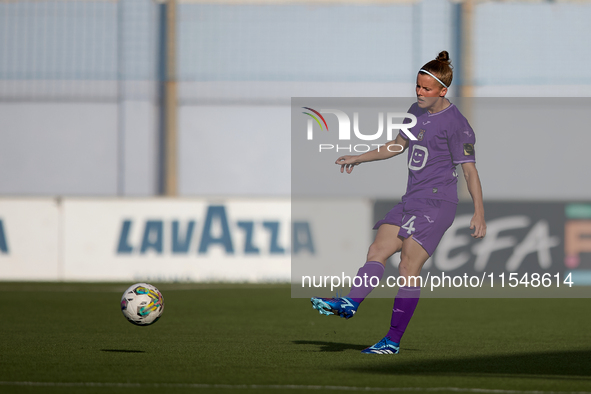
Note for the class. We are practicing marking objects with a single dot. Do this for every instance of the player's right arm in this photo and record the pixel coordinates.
(390, 149)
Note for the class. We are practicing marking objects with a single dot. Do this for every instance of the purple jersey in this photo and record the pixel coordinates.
(444, 139)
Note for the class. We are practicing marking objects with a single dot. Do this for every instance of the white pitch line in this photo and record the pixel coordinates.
(282, 387)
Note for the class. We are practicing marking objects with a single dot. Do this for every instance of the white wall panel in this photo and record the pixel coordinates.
(29, 239)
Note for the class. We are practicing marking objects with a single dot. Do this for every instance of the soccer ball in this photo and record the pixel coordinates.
(142, 304)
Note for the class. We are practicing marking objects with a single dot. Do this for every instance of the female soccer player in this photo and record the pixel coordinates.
(415, 226)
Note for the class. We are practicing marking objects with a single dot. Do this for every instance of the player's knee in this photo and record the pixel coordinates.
(379, 252)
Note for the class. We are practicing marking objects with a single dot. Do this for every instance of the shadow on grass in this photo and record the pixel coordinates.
(571, 365)
(122, 351)
(331, 346)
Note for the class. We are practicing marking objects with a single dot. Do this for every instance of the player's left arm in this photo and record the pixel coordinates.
(474, 187)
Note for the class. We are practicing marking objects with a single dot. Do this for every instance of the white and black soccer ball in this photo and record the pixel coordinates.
(142, 304)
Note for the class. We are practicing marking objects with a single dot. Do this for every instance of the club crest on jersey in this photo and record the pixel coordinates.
(420, 136)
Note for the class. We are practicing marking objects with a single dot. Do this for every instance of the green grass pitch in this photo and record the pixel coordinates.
(72, 338)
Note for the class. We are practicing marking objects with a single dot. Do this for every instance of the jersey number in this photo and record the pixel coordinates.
(408, 226)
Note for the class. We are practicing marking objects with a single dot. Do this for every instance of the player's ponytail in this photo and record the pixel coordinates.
(443, 57)
(440, 68)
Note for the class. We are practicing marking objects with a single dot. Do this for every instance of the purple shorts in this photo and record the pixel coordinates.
(425, 219)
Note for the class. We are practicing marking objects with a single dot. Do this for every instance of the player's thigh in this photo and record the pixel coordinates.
(386, 243)
(412, 258)
(426, 220)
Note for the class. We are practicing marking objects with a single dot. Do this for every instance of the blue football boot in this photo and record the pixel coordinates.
(385, 346)
(342, 306)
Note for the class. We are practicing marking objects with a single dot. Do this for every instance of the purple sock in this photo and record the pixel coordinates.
(404, 306)
(369, 270)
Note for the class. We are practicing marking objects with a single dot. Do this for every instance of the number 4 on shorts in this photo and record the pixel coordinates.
(408, 226)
